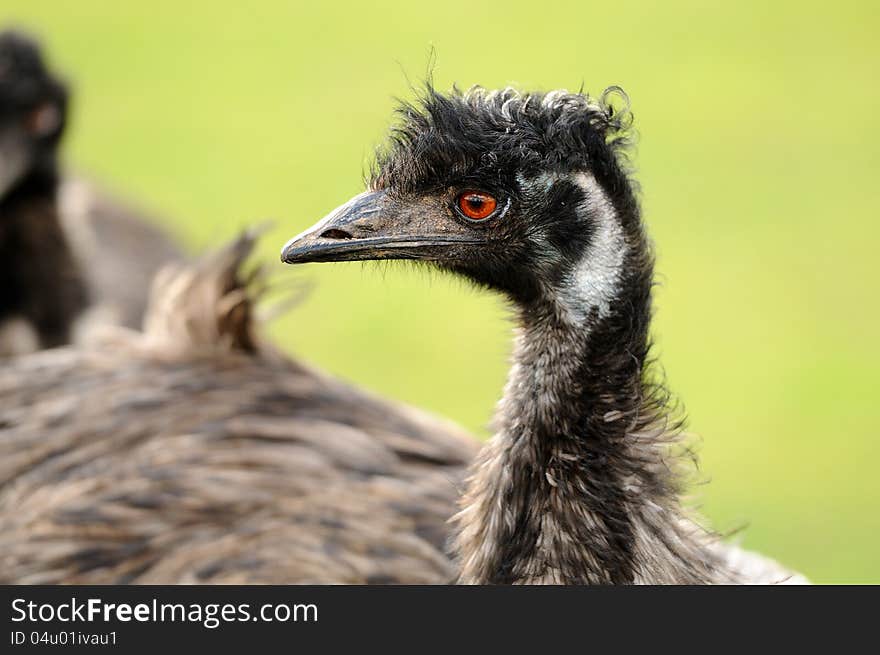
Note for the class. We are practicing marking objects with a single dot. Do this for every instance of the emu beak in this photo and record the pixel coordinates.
(374, 226)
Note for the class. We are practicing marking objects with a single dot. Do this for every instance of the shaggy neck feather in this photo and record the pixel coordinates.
(578, 486)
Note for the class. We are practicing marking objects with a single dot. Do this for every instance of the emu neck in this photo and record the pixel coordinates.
(577, 486)
(40, 282)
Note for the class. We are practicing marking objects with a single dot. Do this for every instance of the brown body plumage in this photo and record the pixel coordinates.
(191, 453)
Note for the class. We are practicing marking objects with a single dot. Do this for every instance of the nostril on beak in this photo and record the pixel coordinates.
(336, 233)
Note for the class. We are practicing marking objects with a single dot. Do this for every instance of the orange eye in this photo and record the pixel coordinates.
(477, 205)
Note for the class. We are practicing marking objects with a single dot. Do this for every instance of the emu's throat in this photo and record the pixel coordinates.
(560, 337)
(550, 499)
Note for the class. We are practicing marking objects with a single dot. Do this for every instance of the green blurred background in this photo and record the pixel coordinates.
(758, 158)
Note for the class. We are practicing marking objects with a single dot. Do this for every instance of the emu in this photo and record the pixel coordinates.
(195, 452)
(70, 256)
(529, 195)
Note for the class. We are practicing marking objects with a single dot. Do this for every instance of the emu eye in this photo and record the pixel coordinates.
(476, 205)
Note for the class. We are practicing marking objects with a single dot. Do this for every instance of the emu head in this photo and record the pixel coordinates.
(33, 107)
(525, 193)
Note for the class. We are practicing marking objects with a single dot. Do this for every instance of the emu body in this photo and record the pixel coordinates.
(194, 453)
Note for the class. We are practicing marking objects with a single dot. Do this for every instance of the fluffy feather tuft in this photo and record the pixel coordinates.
(209, 304)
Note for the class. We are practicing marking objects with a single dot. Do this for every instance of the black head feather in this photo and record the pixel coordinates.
(447, 139)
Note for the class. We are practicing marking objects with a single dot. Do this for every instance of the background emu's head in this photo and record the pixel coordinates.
(33, 107)
(517, 191)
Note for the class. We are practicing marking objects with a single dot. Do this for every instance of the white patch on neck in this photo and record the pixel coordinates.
(594, 281)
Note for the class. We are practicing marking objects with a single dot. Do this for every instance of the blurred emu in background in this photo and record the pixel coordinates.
(70, 257)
